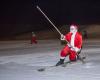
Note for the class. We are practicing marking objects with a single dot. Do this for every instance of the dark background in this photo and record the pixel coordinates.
(18, 16)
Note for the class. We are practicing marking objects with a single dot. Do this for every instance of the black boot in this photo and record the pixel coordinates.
(60, 62)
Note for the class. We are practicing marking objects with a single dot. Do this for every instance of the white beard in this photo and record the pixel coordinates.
(73, 31)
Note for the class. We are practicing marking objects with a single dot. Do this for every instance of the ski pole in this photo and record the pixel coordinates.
(48, 19)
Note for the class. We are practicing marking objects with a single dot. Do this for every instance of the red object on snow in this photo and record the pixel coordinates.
(33, 39)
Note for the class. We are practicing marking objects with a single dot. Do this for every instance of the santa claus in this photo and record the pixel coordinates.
(74, 39)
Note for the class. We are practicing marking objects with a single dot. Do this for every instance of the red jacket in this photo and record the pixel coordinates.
(77, 40)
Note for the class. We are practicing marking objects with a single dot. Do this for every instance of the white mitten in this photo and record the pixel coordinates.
(62, 37)
(75, 49)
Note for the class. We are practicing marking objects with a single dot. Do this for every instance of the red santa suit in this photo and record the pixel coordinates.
(74, 45)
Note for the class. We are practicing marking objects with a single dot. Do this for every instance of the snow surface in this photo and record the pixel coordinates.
(20, 60)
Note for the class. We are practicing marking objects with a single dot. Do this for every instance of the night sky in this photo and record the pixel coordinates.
(18, 16)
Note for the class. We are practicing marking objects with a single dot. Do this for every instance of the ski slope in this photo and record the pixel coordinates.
(20, 60)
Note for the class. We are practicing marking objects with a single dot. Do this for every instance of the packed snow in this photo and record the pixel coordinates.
(20, 60)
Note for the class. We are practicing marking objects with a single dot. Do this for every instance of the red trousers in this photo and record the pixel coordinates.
(67, 51)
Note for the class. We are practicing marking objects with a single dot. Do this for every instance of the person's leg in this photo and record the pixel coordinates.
(63, 54)
(72, 56)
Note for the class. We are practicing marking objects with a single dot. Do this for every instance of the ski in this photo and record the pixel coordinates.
(63, 65)
(43, 69)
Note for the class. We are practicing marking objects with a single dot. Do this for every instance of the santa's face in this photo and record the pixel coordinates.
(73, 29)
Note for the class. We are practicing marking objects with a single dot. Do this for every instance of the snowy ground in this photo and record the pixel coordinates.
(19, 60)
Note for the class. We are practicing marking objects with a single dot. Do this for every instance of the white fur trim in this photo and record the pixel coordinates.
(62, 57)
(73, 39)
(77, 49)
